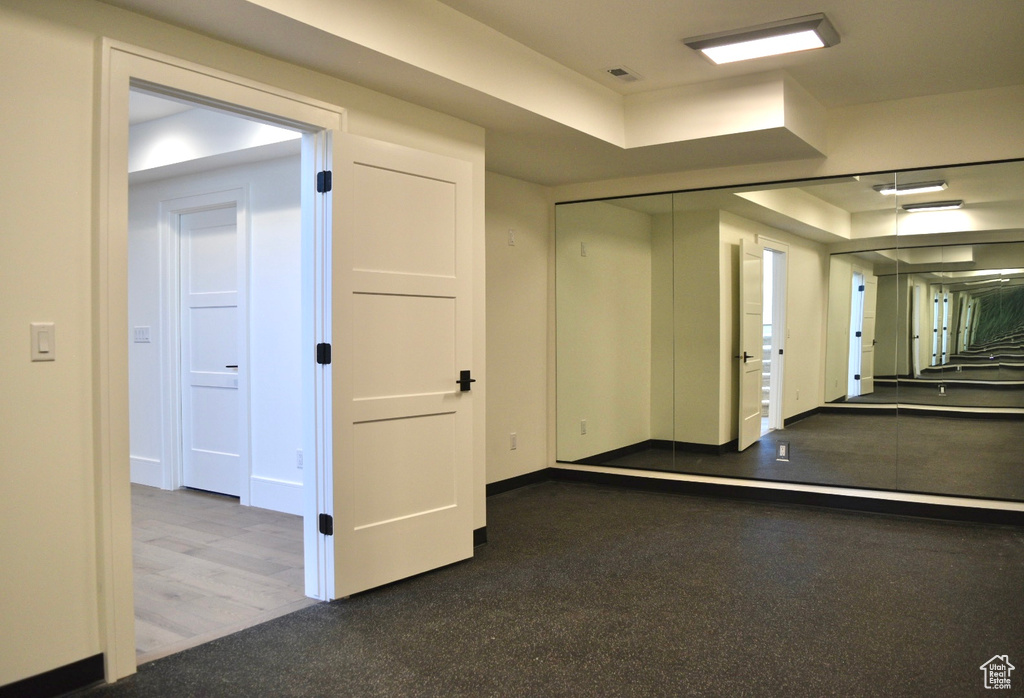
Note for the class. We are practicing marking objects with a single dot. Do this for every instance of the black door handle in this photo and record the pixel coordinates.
(746, 357)
(231, 366)
(464, 381)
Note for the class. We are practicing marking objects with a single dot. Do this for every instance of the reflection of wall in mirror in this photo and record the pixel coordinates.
(603, 306)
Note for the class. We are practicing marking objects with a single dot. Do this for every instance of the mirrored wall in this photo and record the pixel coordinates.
(836, 331)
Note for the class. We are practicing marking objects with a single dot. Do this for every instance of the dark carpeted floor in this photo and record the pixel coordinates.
(929, 454)
(595, 591)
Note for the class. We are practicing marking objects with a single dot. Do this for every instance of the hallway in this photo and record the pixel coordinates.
(206, 567)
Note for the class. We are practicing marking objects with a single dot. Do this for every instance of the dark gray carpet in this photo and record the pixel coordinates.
(595, 591)
(912, 453)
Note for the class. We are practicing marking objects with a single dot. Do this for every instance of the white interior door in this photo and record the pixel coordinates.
(751, 341)
(403, 427)
(867, 352)
(916, 336)
(856, 335)
(213, 446)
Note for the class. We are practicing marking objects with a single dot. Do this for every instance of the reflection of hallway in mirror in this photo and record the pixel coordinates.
(948, 393)
(773, 305)
(971, 457)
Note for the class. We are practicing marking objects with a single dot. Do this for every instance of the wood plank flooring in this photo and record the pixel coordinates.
(206, 567)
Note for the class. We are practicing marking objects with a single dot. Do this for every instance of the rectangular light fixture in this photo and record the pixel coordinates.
(786, 36)
(934, 206)
(910, 188)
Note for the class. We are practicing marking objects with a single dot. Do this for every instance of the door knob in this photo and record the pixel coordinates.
(464, 381)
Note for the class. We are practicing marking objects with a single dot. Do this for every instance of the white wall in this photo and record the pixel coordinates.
(517, 326)
(662, 328)
(274, 321)
(48, 529)
(48, 608)
(604, 328)
(697, 337)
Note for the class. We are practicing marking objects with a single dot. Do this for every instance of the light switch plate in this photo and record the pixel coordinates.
(43, 344)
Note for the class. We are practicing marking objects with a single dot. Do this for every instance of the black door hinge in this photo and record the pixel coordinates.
(860, 288)
(859, 334)
(327, 524)
(323, 181)
(856, 377)
(323, 353)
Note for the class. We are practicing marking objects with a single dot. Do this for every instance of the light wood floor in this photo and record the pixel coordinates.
(206, 567)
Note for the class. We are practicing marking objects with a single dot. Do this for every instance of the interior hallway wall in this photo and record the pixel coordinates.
(48, 531)
(275, 325)
(517, 326)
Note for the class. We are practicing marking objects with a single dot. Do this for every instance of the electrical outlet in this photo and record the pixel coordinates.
(797, 393)
(298, 459)
(583, 427)
(513, 441)
(782, 451)
(512, 236)
(583, 249)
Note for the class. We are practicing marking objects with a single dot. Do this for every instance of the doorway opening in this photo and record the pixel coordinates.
(774, 337)
(216, 391)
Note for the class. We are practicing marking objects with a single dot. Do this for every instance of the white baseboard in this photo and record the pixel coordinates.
(147, 471)
(277, 495)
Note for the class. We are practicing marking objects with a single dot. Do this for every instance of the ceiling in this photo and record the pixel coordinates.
(887, 51)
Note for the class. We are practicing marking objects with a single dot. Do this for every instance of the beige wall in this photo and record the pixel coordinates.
(517, 326)
(48, 608)
(697, 332)
(604, 328)
(48, 522)
(662, 323)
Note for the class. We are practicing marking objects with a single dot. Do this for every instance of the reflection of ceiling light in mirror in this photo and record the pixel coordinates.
(772, 39)
(986, 281)
(910, 188)
(934, 206)
(986, 272)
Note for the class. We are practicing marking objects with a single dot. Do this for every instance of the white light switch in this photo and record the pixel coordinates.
(44, 346)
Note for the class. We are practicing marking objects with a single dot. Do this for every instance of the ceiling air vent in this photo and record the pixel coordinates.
(624, 74)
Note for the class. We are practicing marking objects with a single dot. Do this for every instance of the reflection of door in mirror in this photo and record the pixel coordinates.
(751, 341)
(916, 344)
(856, 332)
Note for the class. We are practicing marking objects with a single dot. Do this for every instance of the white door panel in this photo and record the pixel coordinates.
(211, 328)
(751, 341)
(867, 360)
(403, 430)
(405, 346)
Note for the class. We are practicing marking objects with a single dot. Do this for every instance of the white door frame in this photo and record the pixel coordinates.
(780, 330)
(121, 67)
(170, 213)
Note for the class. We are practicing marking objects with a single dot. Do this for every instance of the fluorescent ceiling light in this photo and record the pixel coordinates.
(910, 188)
(772, 39)
(934, 206)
